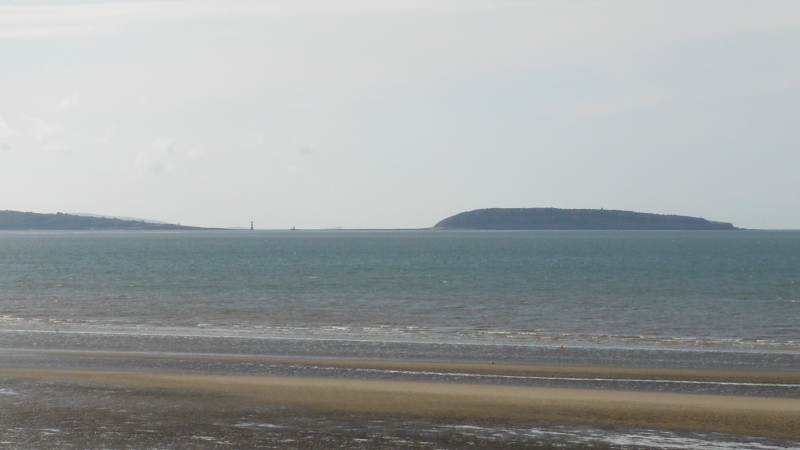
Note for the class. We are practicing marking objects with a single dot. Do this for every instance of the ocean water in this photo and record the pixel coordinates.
(656, 299)
(659, 290)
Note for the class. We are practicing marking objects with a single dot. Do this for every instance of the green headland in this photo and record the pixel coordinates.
(16, 220)
(573, 219)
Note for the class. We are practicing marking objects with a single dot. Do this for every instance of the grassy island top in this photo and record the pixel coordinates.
(573, 219)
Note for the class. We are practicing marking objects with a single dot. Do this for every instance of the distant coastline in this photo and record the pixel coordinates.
(479, 219)
(20, 221)
(573, 219)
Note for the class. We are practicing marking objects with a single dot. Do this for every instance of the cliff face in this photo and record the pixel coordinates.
(15, 220)
(573, 219)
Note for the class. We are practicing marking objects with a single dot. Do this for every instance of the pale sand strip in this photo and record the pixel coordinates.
(743, 415)
(739, 376)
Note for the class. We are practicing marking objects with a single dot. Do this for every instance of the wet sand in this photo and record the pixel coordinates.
(637, 373)
(775, 417)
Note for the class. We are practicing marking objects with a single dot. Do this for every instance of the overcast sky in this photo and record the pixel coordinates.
(399, 113)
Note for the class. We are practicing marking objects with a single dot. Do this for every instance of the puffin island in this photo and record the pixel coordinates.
(573, 219)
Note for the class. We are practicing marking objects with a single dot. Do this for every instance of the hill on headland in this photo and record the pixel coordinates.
(16, 220)
(573, 219)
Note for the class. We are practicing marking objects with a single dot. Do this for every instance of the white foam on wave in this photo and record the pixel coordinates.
(637, 438)
(49, 431)
(395, 333)
(677, 442)
(211, 439)
(254, 425)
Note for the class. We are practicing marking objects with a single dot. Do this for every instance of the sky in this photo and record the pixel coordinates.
(399, 113)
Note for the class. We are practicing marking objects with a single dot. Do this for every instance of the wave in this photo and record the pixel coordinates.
(399, 333)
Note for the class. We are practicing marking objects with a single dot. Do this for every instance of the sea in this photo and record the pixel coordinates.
(682, 299)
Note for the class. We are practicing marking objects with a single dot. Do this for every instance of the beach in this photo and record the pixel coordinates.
(446, 402)
(756, 416)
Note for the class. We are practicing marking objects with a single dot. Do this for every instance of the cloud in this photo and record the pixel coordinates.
(158, 158)
(165, 155)
(43, 129)
(70, 101)
(37, 20)
(42, 135)
(57, 147)
(255, 140)
(301, 147)
(5, 134)
(105, 138)
(92, 18)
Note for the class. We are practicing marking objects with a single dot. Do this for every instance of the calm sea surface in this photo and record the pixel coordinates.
(715, 291)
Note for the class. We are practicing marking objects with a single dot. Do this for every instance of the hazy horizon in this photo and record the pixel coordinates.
(397, 114)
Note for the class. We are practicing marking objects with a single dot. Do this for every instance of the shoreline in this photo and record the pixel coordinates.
(756, 416)
(529, 370)
(185, 340)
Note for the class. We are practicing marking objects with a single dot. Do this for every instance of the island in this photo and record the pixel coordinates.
(16, 220)
(573, 219)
